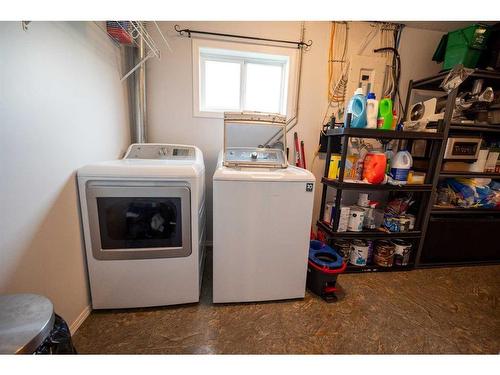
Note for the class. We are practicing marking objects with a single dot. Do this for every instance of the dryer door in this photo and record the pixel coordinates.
(139, 220)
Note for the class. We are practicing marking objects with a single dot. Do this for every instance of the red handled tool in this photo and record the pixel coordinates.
(297, 149)
(302, 155)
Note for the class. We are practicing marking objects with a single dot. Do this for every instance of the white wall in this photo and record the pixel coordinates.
(416, 49)
(61, 106)
(169, 85)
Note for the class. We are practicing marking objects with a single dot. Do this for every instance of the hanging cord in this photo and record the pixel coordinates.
(341, 83)
(336, 94)
(387, 40)
(396, 73)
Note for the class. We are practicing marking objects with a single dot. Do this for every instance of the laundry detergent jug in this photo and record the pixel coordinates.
(400, 166)
(371, 111)
(357, 109)
(385, 117)
(374, 167)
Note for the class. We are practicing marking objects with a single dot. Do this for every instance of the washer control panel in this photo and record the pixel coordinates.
(160, 151)
(254, 156)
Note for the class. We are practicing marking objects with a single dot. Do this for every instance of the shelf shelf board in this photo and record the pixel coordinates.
(461, 263)
(373, 268)
(456, 126)
(382, 134)
(369, 234)
(364, 186)
(432, 83)
(453, 174)
(459, 211)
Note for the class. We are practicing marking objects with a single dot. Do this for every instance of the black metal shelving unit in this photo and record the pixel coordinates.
(434, 153)
(345, 133)
(461, 211)
(364, 186)
(355, 269)
(367, 234)
(432, 84)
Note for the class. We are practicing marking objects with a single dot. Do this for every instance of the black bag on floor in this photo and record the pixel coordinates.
(59, 340)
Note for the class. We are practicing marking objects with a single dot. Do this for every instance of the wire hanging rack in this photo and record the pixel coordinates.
(136, 32)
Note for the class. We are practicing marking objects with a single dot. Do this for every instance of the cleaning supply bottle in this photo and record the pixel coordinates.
(385, 114)
(357, 108)
(401, 164)
(371, 111)
(394, 119)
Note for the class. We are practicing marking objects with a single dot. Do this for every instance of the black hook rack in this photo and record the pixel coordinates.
(301, 44)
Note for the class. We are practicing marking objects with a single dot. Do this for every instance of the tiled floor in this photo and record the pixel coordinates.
(453, 310)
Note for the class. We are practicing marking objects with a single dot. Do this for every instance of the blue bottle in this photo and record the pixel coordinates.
(357, 107)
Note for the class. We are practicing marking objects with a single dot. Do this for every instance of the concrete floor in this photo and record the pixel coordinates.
(447, 310)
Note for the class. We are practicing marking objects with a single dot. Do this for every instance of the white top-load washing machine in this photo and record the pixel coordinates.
(143, 220)
(262, 220)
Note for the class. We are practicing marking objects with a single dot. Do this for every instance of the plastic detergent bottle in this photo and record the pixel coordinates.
(385, 117)
(371, 111)
(400, 166)
(357, 107)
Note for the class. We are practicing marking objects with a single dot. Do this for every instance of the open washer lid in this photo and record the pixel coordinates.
(254, 139)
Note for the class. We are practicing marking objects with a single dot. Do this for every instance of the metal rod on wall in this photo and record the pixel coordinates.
(293, 121)
(300, 44)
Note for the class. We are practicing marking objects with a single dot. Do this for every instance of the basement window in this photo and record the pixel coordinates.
(241, 77)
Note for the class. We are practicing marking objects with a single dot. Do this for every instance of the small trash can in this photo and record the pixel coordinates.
(28, 325)
(324, 266)
(58, 341)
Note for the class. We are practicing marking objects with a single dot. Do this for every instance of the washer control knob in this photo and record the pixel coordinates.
(254, 156)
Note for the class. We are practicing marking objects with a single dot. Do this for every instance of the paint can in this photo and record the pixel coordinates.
(343, 218)
(383, 253)
(402, 251)
(359, 253)
(356, 218)
(363, 200)
(343, 248)
(328, 214)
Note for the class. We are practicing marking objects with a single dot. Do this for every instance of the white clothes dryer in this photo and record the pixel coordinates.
(143, 221)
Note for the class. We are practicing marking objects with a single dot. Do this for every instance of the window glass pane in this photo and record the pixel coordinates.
(263, 88)
(222, 85)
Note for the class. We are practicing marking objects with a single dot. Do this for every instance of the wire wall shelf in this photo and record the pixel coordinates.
(133, 34)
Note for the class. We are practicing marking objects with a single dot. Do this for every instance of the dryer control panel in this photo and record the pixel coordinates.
(160, 151)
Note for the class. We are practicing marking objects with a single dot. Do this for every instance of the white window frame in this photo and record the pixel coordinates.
(240, 52)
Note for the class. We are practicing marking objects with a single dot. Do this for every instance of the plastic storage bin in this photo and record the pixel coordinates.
(463, 46)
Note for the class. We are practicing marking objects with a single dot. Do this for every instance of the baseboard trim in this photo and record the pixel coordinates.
(80, 319)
